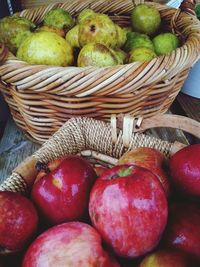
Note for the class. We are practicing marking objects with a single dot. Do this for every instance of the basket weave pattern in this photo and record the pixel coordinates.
(41, 98)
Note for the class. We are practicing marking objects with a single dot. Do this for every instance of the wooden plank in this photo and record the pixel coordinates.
(190, 105)
(14, 148)
(169, 134)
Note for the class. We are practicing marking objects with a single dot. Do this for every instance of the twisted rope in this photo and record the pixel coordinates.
(80, 134)
(14, 183)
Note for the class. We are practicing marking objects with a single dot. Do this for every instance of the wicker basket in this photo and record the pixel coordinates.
(100, 142)
(41, 98)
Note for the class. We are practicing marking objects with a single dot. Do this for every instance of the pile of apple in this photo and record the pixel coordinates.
(142, 212)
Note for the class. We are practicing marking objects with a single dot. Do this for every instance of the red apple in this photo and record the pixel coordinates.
(150, 159)
(18, 222)
(63, 194)
(100, 170)
(183, 229)
(46, 168)
(129, 209)
(185, 170)
(166, 258)
(72, 244)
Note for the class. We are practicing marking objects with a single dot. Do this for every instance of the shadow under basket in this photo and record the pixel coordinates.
(41, 98)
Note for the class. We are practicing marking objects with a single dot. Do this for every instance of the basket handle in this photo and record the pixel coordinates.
(158, 121)
(188, 6)
(129, 124)
(22, 177)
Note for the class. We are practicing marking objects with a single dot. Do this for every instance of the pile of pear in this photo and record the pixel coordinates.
(90, 39)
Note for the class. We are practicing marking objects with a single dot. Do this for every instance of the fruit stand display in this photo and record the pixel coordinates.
(42, 97)
(100, 192)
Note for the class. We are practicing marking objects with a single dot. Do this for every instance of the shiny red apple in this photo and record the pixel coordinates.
(185, 170)
(100, 170)
(72, 244)
(183, 229)
(129, 209)
(18, 222)
(150, 159)
(49, 167)
(166, 258)
(63, 194)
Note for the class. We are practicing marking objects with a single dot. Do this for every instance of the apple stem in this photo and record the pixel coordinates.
(123, 172)
(113, 176)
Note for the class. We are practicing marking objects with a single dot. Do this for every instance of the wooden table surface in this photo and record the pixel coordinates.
(15, 147)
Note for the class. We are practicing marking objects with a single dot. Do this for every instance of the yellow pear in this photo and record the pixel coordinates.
(121, 55)
(98, 28)
(121, 36)
(84, 14)
(56, 30)
(72, 36)
(46, 48)
(97, 55)
(58, 17)
(13, 30)
(141, 54)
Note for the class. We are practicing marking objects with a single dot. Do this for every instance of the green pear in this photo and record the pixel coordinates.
(84, 14)
(121, 36)
(141, 54)
(127, 29)
(145, 19)
(58, 17)
(97, 55)
(56, 30)
(72, 36)
(121, 55)
(165, 43)
(46, 48)
(135, 40)
(98, 29)
(13, 30)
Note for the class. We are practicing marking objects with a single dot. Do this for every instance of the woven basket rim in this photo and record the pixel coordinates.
(167, 57)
